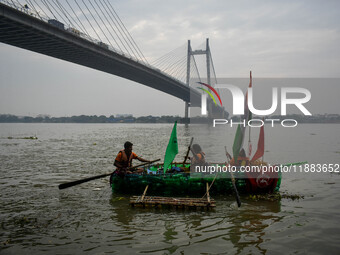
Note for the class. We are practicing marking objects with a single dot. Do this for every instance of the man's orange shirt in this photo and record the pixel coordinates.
(119, 157)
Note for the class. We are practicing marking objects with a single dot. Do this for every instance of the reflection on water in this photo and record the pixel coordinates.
(37, 218)
(183, 230)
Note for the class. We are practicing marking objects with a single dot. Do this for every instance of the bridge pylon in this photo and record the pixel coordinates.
(190, 53)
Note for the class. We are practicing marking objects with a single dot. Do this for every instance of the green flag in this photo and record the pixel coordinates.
(172, 148)
(238, 141)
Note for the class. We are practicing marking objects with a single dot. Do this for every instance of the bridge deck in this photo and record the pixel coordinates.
(22, 30)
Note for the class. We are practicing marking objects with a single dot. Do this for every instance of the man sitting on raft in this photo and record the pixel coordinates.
(197, 159)
(242, 159)
(124, 158)
(198, 156)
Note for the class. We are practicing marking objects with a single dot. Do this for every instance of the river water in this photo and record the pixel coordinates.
(37, 218)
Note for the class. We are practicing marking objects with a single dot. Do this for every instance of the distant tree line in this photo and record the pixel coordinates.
(8, 118)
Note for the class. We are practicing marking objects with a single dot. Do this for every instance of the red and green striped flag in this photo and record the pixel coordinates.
(238, 141)
(240, 132)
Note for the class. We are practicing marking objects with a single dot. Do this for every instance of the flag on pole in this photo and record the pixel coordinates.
(238, 141)
(172, 149)
(250, 149)
(260, 146)
(240, 132)
(247, 113)
(249, 117)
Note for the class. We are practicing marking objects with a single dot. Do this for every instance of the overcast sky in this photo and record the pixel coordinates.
(271, 38)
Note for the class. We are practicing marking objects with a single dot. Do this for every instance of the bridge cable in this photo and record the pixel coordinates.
(61, 17)
(77, 18)
(212, 64)
(23, 8)
(160, 59)
(181, 74)
(198, 73)
(67, 15)
(56, 11)
(125, 31)
(13, 3)
(111, 28)
(103, 23)
(94, 21)
(109, 13)
(118, 34)
(35, 10)
(184, 70)
(176, 66)
(172, 68)
(39, 8)
(164, 61)
(193, 74)
(169, 59)
(167, 63)
(57, 4)
(123, 34)
(213, 68)
(86, 17)
(48, 8)
(20, 4)
(180, 70)
(133, 43)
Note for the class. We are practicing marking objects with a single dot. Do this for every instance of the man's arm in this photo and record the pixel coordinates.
(141, 159)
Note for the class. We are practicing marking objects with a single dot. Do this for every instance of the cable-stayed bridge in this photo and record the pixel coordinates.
(90, 33)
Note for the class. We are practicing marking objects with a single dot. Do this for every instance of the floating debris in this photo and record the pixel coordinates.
(26, 137)
(6, 242)
(118, 199)
(31, 137)
(274, 197)
(292, 196)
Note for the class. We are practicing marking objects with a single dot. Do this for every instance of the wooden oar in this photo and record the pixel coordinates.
(186, 156)
(73, 183)
(237, 196)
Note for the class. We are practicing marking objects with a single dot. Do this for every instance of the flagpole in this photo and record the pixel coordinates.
(249, 141)
(263, 140)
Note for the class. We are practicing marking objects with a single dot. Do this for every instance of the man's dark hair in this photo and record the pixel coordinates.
(196, 148)
(127, 145)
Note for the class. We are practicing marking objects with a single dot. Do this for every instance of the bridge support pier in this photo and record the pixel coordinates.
(186, 110)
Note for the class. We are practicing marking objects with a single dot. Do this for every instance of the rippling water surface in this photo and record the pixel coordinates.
(37, 218)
